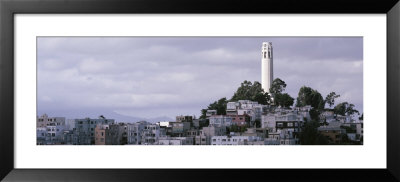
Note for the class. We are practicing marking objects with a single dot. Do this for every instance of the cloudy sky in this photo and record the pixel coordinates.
(150, 77)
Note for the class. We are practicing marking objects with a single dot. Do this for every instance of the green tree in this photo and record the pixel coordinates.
(345, 109)
(253, 92)
(345, 139)
(283, 100)
(361, 117)
(330, 98)
(310, 134)
(309, 96)
(235, 128)
(258, 123)
(277, 86)
(219, 105)
(262, 98)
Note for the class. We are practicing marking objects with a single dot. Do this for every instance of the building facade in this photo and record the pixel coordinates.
(220, 120)
(84, 130)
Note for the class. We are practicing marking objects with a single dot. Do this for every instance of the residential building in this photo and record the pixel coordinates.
(184, 118)
(67, 137)
(180, 128)
(333, 132)
(231, 108)
(268, 121)
(192, 132)
(135, 132)
(151, 133)
(175, 141)
(354, 130)
(240, 120)
(45, 120)
(84, 130)
(344, 119)
(202, 140)
(233, 140)
(101, 131)
(199, 123)
(54, 134)
(211, 113)
(327, 116)
(117, 134)
(213, 131)
(41, 133)
(220, 120)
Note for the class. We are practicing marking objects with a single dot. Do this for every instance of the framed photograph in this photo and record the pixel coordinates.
(144, 90)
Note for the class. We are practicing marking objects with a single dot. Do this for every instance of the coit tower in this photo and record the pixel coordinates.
(266, 66)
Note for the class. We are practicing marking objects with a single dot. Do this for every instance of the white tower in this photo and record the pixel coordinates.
(266, 66)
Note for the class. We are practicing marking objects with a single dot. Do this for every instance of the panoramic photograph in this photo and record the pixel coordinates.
(199, 91)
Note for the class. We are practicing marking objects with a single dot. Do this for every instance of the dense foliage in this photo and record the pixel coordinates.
(219, 106)
(330, 98)
(345, 109)
(310, 134)
(253, 92)
(309, 96)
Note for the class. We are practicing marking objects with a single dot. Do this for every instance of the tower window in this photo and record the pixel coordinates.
(265, 54)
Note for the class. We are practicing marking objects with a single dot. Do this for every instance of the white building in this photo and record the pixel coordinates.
(268, 121)
(151, 133)
(41, 133)
(231, 108)
(220, 120)
(233, 140)
(213, 131)
(175, 141)
(70, 124)
(211, 113)
(135, 132)
(266, 66)
(245, 107)
(344, 119)
(45, 120)
(282, 137)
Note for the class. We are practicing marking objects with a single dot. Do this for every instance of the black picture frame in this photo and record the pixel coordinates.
(8, 8)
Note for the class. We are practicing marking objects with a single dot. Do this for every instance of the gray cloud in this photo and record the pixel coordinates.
(168, 76)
